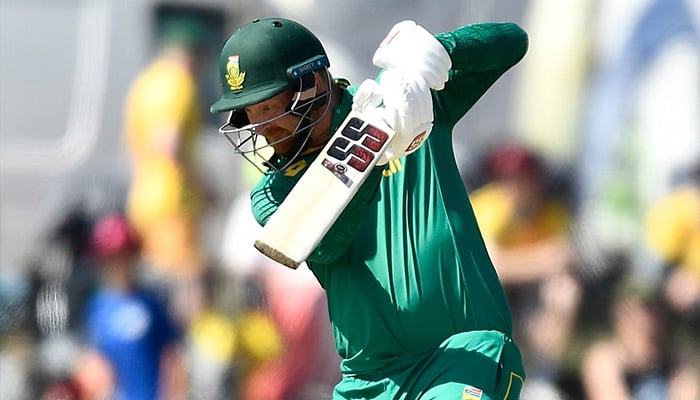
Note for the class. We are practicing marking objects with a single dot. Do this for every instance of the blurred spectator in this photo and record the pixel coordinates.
(62, 390)
(526, 229)
(126, 326)
(637, 360)
(211, 347)
(307, 367)
(673, 233)
(167, 195)
(61, 280)
(227, 342)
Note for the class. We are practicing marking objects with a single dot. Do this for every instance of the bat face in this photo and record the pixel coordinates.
(356, 146)
(329, 184)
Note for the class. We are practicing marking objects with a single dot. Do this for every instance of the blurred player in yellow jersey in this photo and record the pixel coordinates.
(672, 230)
(673, 234)
(165, 199)
(527, 232)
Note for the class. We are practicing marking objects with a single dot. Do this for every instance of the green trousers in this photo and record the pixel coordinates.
(477, 365)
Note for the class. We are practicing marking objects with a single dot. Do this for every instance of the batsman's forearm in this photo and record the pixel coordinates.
(349, 223)
(480, 55)
(485, 47)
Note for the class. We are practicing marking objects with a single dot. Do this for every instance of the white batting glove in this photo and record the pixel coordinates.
(404, 103)
(368, 97)
(408, 109)
(410, 47)
(370, 102)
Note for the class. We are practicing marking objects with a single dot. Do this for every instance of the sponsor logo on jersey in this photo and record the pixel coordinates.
(295, 168)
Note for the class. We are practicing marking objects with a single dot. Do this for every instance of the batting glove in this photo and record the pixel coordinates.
(408, 109)
(368, 98)
(410, 47)
(402, 102)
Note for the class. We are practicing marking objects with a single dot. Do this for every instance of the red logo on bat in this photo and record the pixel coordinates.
(356, 147)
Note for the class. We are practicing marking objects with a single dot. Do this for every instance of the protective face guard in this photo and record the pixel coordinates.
(254, 148)
(246, 142)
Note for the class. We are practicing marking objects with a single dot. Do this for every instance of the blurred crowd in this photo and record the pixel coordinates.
(125, 301)
(590, 323)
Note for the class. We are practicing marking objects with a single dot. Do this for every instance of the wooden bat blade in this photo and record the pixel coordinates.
(325, 189)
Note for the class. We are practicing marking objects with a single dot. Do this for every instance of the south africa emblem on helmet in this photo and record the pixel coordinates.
(234, 76)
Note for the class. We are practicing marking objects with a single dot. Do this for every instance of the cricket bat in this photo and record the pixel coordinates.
(325, 189)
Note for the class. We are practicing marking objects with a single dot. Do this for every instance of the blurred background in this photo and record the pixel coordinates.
(594, 137)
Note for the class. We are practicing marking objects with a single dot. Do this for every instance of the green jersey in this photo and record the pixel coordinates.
(405, 266)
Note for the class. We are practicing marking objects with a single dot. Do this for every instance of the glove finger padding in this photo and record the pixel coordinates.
(411, 47)
(368, 96)
(407, 100)
(408, 109)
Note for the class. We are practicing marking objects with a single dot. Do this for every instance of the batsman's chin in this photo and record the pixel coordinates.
(284, 151)
(283, 145)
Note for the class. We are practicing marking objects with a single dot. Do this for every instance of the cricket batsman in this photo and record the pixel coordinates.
(416, 306)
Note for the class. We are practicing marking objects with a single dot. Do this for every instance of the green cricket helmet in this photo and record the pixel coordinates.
(263, 58)
(259, 61)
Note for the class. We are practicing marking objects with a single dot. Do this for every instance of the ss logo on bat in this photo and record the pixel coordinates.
(356, 147)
